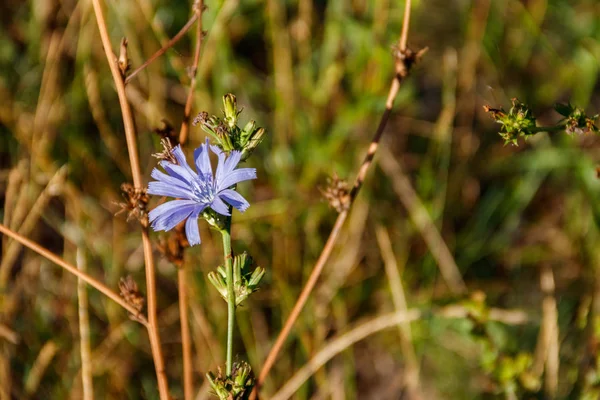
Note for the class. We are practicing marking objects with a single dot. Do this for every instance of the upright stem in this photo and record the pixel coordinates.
(228, 254)
(186, 343)
(549, 129)
(152, 326)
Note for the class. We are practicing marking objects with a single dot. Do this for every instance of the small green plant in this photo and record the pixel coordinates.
(519, 121)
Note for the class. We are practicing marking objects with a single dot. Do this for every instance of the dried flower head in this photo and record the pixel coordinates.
(136, 202)
(131, 293)
(167, 153)
(337, 193)
(173, 247)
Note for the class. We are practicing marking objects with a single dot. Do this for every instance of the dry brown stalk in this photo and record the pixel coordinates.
(399, 300)
(84, 331)
(185, 125)
(422, 220)
(130, 135)
(164, 49)
(72, 269)
(377, 324)
(405, 58)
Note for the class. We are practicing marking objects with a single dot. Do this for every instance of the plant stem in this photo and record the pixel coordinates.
(402, 70)
(108, 292)
(228, 255)
(554, 128)
(130, 136)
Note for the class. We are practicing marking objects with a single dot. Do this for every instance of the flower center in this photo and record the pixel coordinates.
(203, 189)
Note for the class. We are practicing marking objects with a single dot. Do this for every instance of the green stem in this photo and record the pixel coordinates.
(228, 254)
(554, 128)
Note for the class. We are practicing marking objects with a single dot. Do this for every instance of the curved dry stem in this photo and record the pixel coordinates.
(185, 125)
(163, 49)
(402, 67)
(340, 344)
(186, 342)
(72, 269)
(84, 331)
(128, 123)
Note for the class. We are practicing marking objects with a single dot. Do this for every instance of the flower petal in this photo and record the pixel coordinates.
(168, 179)
(242, 174)
(179, 156)
(235, 199)
(165, 189)
(221, 155)
(202, 160)
(181, 160)
(232, 161)
(219, 206)
(166, 216)
(177, 171)
(191, 229)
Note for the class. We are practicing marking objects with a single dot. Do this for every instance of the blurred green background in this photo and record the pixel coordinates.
(315, 74)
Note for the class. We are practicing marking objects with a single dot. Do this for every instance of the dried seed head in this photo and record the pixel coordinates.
(136, 202)
(201, 118)
(173, 247)
(130, 292)
(167, 153)
(337, 193)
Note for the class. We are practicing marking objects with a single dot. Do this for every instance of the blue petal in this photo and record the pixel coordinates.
(242, 174)
(191, 229)
(181, 160)
(202, 160)
(232, 161)
(221, 162)
(181, 173)
(164, 189)
(167, 167)
(219, 206)
(235, 199)
(168, 179)
(179, 156)
(166, 216)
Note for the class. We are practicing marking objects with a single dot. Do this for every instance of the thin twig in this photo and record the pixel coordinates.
(53, 187)
(39, 367)
(185, 125)
(547, 350)
(374, 325)
(128, 123)
(422, 220)
(186, 343)
(399, 300)
(340, 344)
(163, 49)
(402, 68)
(84, 331)
(72, 269)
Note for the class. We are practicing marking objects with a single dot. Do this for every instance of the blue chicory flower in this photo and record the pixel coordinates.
(196, 191)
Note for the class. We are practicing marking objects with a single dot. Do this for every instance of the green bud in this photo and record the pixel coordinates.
(248, 131)
(253, 141)
(238, 386)
(230, 110)
(245, 281)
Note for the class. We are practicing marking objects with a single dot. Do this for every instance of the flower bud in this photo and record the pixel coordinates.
(230, 110)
